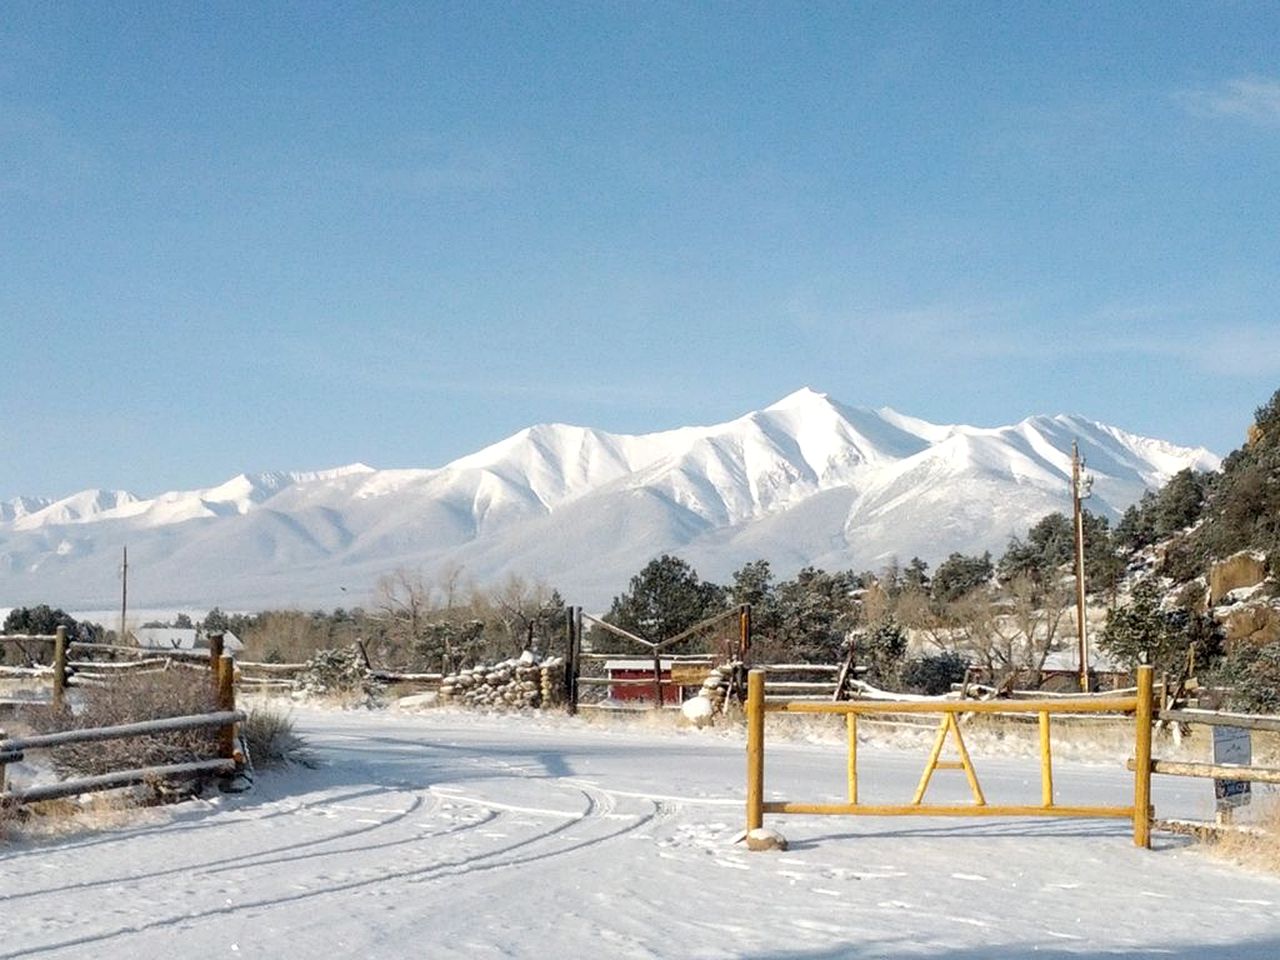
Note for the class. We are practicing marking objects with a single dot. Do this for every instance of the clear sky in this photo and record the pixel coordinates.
(250, 237)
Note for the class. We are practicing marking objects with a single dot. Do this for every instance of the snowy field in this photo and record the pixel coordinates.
(448, 835)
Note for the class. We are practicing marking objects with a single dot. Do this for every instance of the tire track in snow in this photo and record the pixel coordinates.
(239, 861)
(216, 818)
(440, 871)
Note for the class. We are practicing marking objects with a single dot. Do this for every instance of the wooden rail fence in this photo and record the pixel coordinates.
(224, 720)
(64, 673)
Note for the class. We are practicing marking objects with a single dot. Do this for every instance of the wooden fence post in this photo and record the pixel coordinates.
(744, 632)
(568, 657)
(216, 645)
(1142, 759)
(227, 701)
(657, 679)
(575, 648)
(755, 749)
(59, 669)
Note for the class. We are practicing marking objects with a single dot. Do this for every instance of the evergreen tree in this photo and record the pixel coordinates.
(1137, 527)
(753, 584)
(665, 599)
(1142, 632)
(1243, 508)
(1179, 503)
(960, 574)
(916, 576)
(1049, 552)
(39, 620)
(934, 673)
(215, 621)
(816, 612)
(880, 650)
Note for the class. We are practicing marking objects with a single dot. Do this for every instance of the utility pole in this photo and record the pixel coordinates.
(1079, 491)
(124, 594)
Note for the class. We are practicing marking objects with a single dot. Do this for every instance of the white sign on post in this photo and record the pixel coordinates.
(1231, 745)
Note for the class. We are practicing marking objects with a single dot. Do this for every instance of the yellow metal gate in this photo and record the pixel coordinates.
(1139, 705)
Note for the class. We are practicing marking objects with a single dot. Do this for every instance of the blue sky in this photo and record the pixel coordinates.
(236, 237)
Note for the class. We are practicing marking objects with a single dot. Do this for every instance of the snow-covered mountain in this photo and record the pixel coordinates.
(805, 481)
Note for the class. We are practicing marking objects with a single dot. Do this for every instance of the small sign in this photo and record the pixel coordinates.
(690, 675)
(1231, 745)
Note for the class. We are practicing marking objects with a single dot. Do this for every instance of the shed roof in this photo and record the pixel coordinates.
(182, 638)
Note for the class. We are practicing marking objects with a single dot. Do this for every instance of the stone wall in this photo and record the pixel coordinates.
(522, 683)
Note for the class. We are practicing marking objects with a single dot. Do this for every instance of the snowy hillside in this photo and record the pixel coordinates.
(806, 480)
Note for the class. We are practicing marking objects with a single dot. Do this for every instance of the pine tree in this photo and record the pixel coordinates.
(665, 599)
(1142, 632)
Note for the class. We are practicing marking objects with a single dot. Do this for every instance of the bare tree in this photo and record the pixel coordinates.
(404, 605)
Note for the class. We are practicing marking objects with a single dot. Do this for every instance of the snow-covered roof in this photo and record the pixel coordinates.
(1070, 660)
(182, 638)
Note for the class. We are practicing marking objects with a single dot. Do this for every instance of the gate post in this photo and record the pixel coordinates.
(575, 650)
(568, 658)
(755, 749)
(1142, 759)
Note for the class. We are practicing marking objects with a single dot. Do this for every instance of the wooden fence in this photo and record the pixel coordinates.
(64, 672)
(1250, 773)
(224, 719)
(659, 666)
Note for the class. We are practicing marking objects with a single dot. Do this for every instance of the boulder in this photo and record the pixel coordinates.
(1253, 623)
(763, 838)
(698, 711)
(1245, 569)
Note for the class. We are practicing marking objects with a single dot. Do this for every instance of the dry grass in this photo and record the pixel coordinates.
(269, 738)
(1257, 844)
(70, 815)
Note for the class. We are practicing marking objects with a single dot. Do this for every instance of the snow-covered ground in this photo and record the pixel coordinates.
(445, 835)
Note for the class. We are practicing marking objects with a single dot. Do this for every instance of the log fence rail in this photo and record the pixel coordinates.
(224, 720)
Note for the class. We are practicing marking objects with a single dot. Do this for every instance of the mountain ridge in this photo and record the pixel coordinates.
(804, 480)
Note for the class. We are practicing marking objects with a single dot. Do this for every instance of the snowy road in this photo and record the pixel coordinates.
(445, 835)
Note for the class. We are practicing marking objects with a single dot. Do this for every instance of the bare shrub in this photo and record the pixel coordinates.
(269, 738)
(131, 699)
(1257, 847)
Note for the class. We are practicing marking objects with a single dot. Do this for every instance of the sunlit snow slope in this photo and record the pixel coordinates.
(805, 481)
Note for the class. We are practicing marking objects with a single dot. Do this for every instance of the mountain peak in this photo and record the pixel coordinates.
(804, 397)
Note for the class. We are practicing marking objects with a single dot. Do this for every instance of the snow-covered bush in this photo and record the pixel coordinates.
(340, 673)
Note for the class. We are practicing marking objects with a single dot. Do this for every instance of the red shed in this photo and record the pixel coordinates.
(641, 669)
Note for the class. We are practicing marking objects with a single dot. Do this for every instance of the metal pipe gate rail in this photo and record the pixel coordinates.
(1139, 705)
